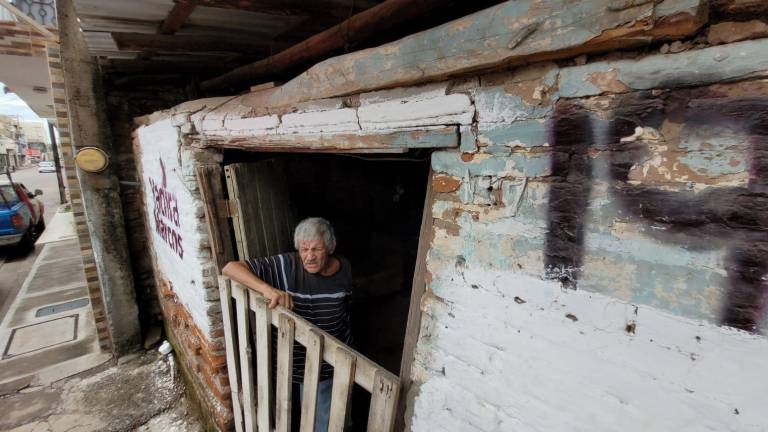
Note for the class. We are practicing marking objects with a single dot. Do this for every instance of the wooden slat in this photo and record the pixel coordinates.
(381, 417)
(230, 343)
(212, 192)
(311, 378)
(263, 327)
(237, 216)
(418, 287)
(246, 360)
(284, 373)
(343, 379)
(365, 368)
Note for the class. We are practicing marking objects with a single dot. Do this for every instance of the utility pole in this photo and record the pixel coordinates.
(57, 162)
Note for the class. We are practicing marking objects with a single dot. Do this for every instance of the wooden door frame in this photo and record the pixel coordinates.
(218, 212)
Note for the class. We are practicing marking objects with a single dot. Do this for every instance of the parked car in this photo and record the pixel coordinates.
(46, 167)
(21, 215)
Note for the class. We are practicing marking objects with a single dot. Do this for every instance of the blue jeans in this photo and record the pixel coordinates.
(323, 406)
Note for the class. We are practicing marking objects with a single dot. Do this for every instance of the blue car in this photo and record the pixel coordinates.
(21, 215)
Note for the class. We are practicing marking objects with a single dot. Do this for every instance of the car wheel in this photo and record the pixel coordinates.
(27, 242)
(40, 227)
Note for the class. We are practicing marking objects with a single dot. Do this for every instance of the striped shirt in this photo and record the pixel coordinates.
(321, 300)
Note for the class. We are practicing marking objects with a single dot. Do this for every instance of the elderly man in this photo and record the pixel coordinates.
(313, 282)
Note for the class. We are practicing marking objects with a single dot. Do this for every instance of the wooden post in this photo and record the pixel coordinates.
(418, 288)
(246, 357)
(284, 379)
(343, 379)
(263, 327)
(212, 193)
(381, 417)
(311, 380)
(230, 342)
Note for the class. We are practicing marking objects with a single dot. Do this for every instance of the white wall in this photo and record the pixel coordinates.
(182, 264)
(502, 351)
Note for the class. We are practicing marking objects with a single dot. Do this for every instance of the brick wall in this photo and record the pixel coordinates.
(20, 39)
(183, 266)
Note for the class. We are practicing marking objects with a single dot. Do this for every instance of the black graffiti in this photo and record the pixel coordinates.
(732, 217)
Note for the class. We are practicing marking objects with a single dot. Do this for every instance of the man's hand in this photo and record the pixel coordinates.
(277, 297)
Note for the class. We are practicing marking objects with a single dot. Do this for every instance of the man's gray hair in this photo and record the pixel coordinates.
(314, 228)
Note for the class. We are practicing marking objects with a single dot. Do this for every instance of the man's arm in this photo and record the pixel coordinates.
(238, 271)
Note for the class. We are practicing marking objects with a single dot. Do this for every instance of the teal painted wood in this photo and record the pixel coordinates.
(486, 39)
(730, 62)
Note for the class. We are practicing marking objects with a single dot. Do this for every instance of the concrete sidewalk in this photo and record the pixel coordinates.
(49, 331)
(53, 375)
(138, 394)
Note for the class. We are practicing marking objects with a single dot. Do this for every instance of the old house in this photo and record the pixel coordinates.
(554, 209)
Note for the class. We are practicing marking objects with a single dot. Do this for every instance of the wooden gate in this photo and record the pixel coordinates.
(263, 220)
(252, 394)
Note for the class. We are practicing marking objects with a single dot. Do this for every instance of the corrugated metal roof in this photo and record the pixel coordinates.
(99, 18)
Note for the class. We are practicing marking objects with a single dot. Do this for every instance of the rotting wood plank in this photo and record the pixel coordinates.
(212, 193)
(343, 379)
(263, 327)
(314, 359)
(284, 380)
(230, 344)
(240, 295)
(446, 137)
(481, 41)
(384, 397)
(418, 287)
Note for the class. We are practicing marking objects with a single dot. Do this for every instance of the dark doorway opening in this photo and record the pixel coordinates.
(375, 203)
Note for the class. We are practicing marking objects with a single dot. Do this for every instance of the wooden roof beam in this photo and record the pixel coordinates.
(177, 16)
(322, 8)
(352, 30)
(189, 43)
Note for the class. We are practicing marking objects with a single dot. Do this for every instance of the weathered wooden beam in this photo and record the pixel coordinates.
(177, 16)
(352, 30)
(447, 137)
(511, 33)
(188, 43)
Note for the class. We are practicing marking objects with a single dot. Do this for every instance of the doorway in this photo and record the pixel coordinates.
(374, 202)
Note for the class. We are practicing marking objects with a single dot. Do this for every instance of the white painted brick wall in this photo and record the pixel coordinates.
(499, 353)
(160, 140)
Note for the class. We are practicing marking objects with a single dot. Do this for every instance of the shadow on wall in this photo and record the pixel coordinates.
(734, 217)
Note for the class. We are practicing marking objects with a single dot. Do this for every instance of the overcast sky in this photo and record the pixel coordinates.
(11, 105)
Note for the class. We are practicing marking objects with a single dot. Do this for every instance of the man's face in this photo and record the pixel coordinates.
(314, 255)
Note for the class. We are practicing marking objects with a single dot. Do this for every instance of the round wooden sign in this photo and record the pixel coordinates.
(92, 159)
